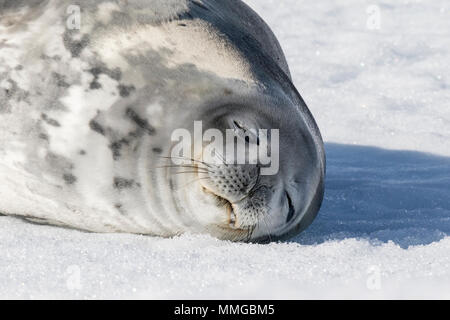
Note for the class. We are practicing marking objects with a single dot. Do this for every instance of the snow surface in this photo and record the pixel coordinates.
(384, 229)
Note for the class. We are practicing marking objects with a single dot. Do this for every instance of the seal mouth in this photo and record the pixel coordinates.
(229, 207)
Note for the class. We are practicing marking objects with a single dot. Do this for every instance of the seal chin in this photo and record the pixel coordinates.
(227, 205)
(253, 214)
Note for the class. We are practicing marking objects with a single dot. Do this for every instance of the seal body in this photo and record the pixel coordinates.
(91, 94)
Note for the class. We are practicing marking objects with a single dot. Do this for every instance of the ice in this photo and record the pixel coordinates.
(382, 101)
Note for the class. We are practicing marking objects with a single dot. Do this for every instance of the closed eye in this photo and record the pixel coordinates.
(246, 132)
(291, 208)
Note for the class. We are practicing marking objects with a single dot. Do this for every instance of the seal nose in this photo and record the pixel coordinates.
(231, 182)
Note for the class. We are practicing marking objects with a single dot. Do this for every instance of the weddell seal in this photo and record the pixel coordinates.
(93, 93)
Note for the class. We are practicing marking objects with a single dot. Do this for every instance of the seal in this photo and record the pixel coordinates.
(91, 94)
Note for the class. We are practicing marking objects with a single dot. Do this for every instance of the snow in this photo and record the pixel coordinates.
(381, 98)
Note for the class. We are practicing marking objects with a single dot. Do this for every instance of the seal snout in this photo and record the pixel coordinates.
(236, 189)
(232, 182)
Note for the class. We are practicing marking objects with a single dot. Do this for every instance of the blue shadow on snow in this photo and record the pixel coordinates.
(383, 195)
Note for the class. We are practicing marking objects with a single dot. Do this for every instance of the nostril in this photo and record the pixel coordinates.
(291, 211)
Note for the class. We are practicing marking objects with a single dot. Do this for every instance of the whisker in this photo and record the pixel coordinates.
(194, 169)
(249, 233)
(180, 166)
(221, 158)
(184, 158)
(198, 179)
(182, 172)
